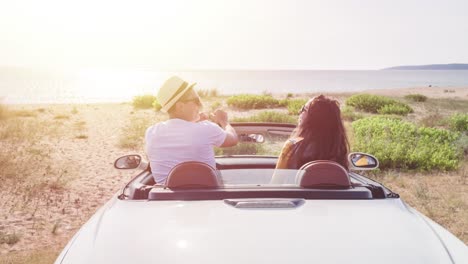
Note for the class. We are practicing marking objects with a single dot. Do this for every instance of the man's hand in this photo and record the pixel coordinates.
(220, 117)
(203, 117)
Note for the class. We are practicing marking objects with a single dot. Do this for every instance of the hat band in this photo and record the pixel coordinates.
(181, 88)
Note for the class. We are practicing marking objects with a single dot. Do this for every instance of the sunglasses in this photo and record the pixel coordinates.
(303, 109)
(195, 100)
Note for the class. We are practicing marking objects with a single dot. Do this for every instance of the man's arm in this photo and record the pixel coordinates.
(231, 137)
(220, 117)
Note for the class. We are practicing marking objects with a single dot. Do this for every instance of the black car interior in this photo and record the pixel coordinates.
(323, 173)
(181, 176)
(311, 184)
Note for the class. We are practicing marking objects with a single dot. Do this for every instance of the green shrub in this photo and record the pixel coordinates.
(459, 122)
(267, 116)
(242, 149)
(395, 109)
(143, 101)
(283, 102)
(289, 95)
(434, 120)
(391, 116)
(367, 102)
(215, 105)
(156, 106)
(350, 114)
(372, 103)
(294, 106)
(132, 135)
(250, 101)
(462, 144)
(400, 144)
(416, 97)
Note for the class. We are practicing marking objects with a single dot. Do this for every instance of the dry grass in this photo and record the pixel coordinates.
(43, 256)
(29, 171)
(433, 120)
(132, 135)
(55, 227)
(58, 117)
(80, 127)
(24, 113)
(6, 113)
(443, 197)
(9, 239)
(453, 105)
(3, 112)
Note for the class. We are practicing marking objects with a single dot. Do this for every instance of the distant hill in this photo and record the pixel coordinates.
(452, 66)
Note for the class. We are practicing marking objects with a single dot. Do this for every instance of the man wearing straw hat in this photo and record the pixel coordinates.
(187, 135)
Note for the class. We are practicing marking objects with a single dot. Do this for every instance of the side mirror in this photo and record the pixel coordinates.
(362, 161)
(127, 162)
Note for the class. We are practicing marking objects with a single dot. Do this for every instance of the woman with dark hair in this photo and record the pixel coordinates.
(320, 135)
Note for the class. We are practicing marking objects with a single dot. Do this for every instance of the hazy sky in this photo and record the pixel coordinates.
(221, 34)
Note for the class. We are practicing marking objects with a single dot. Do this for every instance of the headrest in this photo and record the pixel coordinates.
(193, 175)
(323, 174)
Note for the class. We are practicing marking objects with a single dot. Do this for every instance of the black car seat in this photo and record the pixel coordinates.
(193, 175)
(323, 174)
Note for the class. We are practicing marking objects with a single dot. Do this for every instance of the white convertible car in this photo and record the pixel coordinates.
(244, 211)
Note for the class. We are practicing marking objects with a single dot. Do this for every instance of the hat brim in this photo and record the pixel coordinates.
(172, 102)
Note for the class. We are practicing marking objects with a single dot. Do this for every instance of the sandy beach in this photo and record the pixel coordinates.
(80, 176)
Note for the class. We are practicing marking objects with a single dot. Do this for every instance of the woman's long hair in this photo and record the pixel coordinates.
(323, 133)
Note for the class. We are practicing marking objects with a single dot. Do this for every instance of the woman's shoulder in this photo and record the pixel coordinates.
(286, 153)
(293, 141)
(290, 143)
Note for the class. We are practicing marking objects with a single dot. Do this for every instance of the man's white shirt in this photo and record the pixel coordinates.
(175, 141)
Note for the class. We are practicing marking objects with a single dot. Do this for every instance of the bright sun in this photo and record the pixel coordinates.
(116, 84)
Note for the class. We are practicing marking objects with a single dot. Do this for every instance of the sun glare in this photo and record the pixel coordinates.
(116, 83)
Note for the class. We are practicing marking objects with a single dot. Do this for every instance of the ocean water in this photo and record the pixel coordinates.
(28, 85)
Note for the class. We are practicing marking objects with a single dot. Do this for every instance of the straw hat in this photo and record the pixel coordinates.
(171, 91)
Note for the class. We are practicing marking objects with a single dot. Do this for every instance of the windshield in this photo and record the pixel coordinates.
(259, 177)
(263, 177)
(267, 141)
(267, 184)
